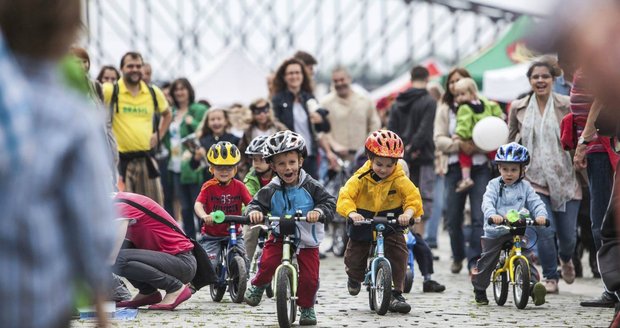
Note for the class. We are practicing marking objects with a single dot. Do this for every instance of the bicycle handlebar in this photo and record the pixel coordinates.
(244, 219)
(380, 219)
(528, 222)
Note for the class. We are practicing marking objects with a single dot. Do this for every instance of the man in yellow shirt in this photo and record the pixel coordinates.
(134, 104)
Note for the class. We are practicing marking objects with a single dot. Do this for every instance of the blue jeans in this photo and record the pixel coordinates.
(564, 226)
(189, 193)
(455, 206)
(600, 176)
(432, 225)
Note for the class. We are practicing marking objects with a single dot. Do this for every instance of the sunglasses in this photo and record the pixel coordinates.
(259, 110)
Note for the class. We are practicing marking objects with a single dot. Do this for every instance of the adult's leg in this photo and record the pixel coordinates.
(481, 174)
(167, 185)
(308, 261)
(251, 240)
(600, 176)
(566, 229)
(138, 181)
(547, 249)
(188, 199)
(430, 234)
(427, 182)
(150, 270)
(454, 213)
(311, 166)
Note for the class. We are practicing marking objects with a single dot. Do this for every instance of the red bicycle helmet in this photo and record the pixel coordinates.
(385, 143)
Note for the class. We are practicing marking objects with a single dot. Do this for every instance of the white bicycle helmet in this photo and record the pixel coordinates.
(282, 142)
(256, 146)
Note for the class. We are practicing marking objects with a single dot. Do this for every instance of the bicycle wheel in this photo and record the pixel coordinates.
(219, 288)
(238, 279)
(500, 288)
(371, 299)
(408, 280)
(521, 288)
(340, 239)
(286, 306)
(383, 288)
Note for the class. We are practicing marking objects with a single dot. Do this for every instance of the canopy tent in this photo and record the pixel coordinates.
(506, 84)
(231, 78)
(508, 51)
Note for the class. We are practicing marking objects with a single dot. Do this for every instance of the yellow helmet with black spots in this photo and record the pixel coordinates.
(224, 153)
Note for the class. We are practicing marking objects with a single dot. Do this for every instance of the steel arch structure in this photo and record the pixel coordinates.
(375, 39)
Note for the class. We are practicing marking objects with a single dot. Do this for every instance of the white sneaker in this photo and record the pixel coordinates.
(552, 286)
(568, 271)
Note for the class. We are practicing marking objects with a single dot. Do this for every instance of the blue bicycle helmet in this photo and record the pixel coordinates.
(513, 153)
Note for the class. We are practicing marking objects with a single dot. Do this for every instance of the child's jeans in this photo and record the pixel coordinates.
(491, 249)
(396, 251)
(308, 262)
(213, 245)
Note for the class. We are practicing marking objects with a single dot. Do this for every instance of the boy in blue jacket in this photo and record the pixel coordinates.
(507, 192)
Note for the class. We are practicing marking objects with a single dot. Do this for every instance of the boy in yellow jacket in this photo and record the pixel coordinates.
(379, 187)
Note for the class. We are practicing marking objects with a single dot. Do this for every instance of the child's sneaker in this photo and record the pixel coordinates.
(307, 317)
(398, 303)
(354, 287)
(431, 286)
(254, 294)
(464, 185)
(480, 297)
(538, 293)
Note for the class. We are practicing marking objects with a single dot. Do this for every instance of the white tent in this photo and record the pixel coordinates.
(506, 84)
(231, 78)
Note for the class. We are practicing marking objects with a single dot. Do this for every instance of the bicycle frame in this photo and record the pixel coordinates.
(227, 253)
(287, 262)
(512, 255)
(378, 255)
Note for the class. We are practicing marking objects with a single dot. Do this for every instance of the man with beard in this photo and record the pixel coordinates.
(352, 115)
(133, 104)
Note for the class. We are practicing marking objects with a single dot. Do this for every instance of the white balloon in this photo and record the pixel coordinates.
(490, 133)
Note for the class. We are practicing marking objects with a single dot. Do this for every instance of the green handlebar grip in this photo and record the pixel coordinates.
(218, 216)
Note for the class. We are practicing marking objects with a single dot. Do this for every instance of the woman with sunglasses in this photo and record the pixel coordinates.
(262, 123)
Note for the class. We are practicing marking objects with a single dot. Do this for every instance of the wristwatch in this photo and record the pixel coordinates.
(582, 141)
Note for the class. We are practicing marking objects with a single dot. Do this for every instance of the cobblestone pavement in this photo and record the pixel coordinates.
(452, 308)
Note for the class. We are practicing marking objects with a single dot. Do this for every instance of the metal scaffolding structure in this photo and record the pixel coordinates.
(375, 39)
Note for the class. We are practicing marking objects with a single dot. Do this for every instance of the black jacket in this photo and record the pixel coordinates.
(282, 104)
(412, 117)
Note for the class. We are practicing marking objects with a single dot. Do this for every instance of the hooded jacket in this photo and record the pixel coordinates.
(369, 197)
(412, 117)
(307, 195)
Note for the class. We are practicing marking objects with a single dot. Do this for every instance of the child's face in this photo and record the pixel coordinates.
(510, 172)
(223, 174)
(383, 166)
(217, 121)
(287, 167)
(259, 164)
(464, 95)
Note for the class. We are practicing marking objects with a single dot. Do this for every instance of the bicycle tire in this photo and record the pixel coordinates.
(521, 288)
(500, 288)
(217, 290)
(408, 281)
(383, 288)
(286, 307)
(238, 279)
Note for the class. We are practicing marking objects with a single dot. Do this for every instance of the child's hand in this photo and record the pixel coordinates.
(313, 216)
(541, 220)
(403, 219)
(256, 217)
(208, 219)
(200, 154)
(356, 217)
(497, 219)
